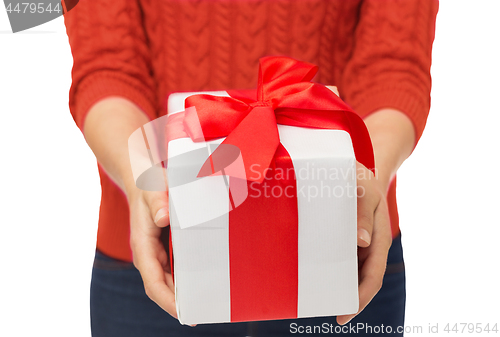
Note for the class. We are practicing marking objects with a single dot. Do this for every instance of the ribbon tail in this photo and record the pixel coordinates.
(256, 138)
(361, 141)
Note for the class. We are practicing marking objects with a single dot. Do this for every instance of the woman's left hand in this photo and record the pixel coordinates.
(374, 237)
(393, 138)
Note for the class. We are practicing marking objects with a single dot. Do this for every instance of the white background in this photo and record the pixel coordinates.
(448, 190)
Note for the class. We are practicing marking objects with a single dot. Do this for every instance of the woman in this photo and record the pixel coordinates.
(130, 55)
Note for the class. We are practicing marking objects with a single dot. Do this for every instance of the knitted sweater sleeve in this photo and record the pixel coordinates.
(391, 59)
(110, 56)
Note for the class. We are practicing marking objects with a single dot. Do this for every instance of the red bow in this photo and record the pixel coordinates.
(285, 96)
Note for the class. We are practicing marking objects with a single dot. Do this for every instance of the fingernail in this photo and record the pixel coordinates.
(364, 235)
(161, 214)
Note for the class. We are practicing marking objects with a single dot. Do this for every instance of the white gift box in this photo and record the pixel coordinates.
(327, 275)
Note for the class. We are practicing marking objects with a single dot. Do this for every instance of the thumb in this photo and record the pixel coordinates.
(162, 218)
(368, 200)
(158, 206)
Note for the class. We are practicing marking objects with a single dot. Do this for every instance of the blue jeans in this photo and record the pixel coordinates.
(119, 307)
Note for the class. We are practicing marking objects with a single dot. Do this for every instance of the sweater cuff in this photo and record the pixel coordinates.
(106, 84)
(398, 98)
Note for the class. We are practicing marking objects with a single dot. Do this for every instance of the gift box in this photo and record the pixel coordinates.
(262, 197)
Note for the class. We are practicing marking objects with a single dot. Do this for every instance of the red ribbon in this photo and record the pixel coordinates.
(285, 95)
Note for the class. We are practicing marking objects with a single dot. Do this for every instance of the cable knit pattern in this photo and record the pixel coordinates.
(378, 52)
(278, 27)
(220, 55)
(393, 61)
(109, 51)
(305, 25)
(250, 40)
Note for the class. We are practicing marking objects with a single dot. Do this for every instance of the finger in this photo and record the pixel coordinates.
(161, 217)
(373, 269)
(334, 89)
(158, 204)
(365, 221)
(154, 276)
(162, 295)
(170, 281)
(368, 201)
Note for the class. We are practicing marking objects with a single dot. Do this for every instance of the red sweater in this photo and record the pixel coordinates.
(378, 53)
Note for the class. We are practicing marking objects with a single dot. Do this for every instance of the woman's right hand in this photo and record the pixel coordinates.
(108, 126)
(148, 215)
